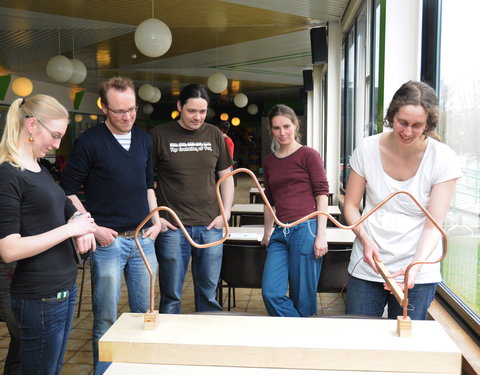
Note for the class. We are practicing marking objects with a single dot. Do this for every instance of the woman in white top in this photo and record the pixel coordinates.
(406, 158)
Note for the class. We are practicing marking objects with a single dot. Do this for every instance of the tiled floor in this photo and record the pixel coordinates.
(78, 358)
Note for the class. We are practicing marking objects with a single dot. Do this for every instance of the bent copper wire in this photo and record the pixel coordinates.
(279, 223)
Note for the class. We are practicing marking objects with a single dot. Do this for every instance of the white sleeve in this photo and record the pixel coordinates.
(357, 160)
(447, 164)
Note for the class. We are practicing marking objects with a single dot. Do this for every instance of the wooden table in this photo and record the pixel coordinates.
(255, 196)
(335, 236)
(240, 209)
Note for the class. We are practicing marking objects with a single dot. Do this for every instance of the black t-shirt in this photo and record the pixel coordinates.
(32, 203)
(186, 161)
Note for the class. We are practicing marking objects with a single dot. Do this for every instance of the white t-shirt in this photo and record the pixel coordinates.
(396, 227)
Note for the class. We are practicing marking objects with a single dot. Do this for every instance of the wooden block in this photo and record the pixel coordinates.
(290, 343)
(151, 320)
(404, 326)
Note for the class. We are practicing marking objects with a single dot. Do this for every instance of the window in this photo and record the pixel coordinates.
(459, 94)
(356, 89)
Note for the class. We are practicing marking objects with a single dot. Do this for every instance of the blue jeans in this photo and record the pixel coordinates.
(291, 266)
(107, 265)
(369, 298)
(173, 254)
(44, 329)
(12, 361)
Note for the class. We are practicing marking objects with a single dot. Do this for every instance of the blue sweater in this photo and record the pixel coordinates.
(115, 180)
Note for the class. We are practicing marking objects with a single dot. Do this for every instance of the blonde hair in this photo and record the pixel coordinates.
(43, 107)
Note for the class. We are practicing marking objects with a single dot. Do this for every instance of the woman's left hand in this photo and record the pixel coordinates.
(320, 247)
(401, 272)
(85, 243)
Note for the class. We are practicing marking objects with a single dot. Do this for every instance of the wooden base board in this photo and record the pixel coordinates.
(149, 369)
(290, 343)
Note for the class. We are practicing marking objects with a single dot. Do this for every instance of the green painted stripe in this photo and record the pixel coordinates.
(78, 99)
(4, 83)
(381, 65)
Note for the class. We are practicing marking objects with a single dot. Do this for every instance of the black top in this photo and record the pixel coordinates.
(32, 203)
(115, 180)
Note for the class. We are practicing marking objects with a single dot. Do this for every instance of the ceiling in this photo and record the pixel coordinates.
(262, 46)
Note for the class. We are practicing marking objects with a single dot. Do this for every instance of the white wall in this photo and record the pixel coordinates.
(402, 44)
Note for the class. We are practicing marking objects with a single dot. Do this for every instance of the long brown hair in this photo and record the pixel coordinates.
(284, 110)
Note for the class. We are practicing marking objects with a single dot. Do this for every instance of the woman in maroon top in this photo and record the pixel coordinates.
(295, 185)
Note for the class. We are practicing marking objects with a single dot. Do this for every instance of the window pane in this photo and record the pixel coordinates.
(459, 95)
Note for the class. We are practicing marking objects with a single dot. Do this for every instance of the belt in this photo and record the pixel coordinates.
(131, 233)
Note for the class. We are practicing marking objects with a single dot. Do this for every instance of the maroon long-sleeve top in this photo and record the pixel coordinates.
(293, 182)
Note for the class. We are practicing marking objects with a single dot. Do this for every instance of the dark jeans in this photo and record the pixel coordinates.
(370, 298)
(44, 328)
(12, 362)
(174, 252)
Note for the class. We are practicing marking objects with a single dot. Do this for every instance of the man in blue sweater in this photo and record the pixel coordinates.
(112, 161)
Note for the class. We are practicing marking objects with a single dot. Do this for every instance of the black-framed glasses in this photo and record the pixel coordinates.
(55, 136)
(123, 112)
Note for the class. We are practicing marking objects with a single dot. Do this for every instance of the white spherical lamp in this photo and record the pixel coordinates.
(153, 38)
(156, 96)
(146, 92)
(147, 109)
(217, 83)
(240, 100)
(252, 109)
(22, 86)
(59, 68)
(79, 72)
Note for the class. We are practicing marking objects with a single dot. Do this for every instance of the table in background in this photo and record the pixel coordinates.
(255, 196)
(256, 210)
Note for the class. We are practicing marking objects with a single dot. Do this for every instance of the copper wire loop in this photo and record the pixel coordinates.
(278, 222)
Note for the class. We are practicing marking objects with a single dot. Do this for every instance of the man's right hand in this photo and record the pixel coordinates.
(105, 236)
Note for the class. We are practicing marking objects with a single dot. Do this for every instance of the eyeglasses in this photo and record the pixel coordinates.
(121, 112)
(55, 136)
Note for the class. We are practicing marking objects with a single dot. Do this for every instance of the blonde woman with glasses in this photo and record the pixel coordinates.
(37, 221)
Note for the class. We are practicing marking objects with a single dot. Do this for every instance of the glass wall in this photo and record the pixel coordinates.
(459, 93)
(356, 86)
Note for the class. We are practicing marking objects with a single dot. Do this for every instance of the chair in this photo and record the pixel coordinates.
(242, 267)
(82, 260)
(334, 274)
(251, 220)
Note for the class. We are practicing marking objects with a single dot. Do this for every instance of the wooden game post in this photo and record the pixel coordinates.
(404, 326)
(404, 323)
(150, 321)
